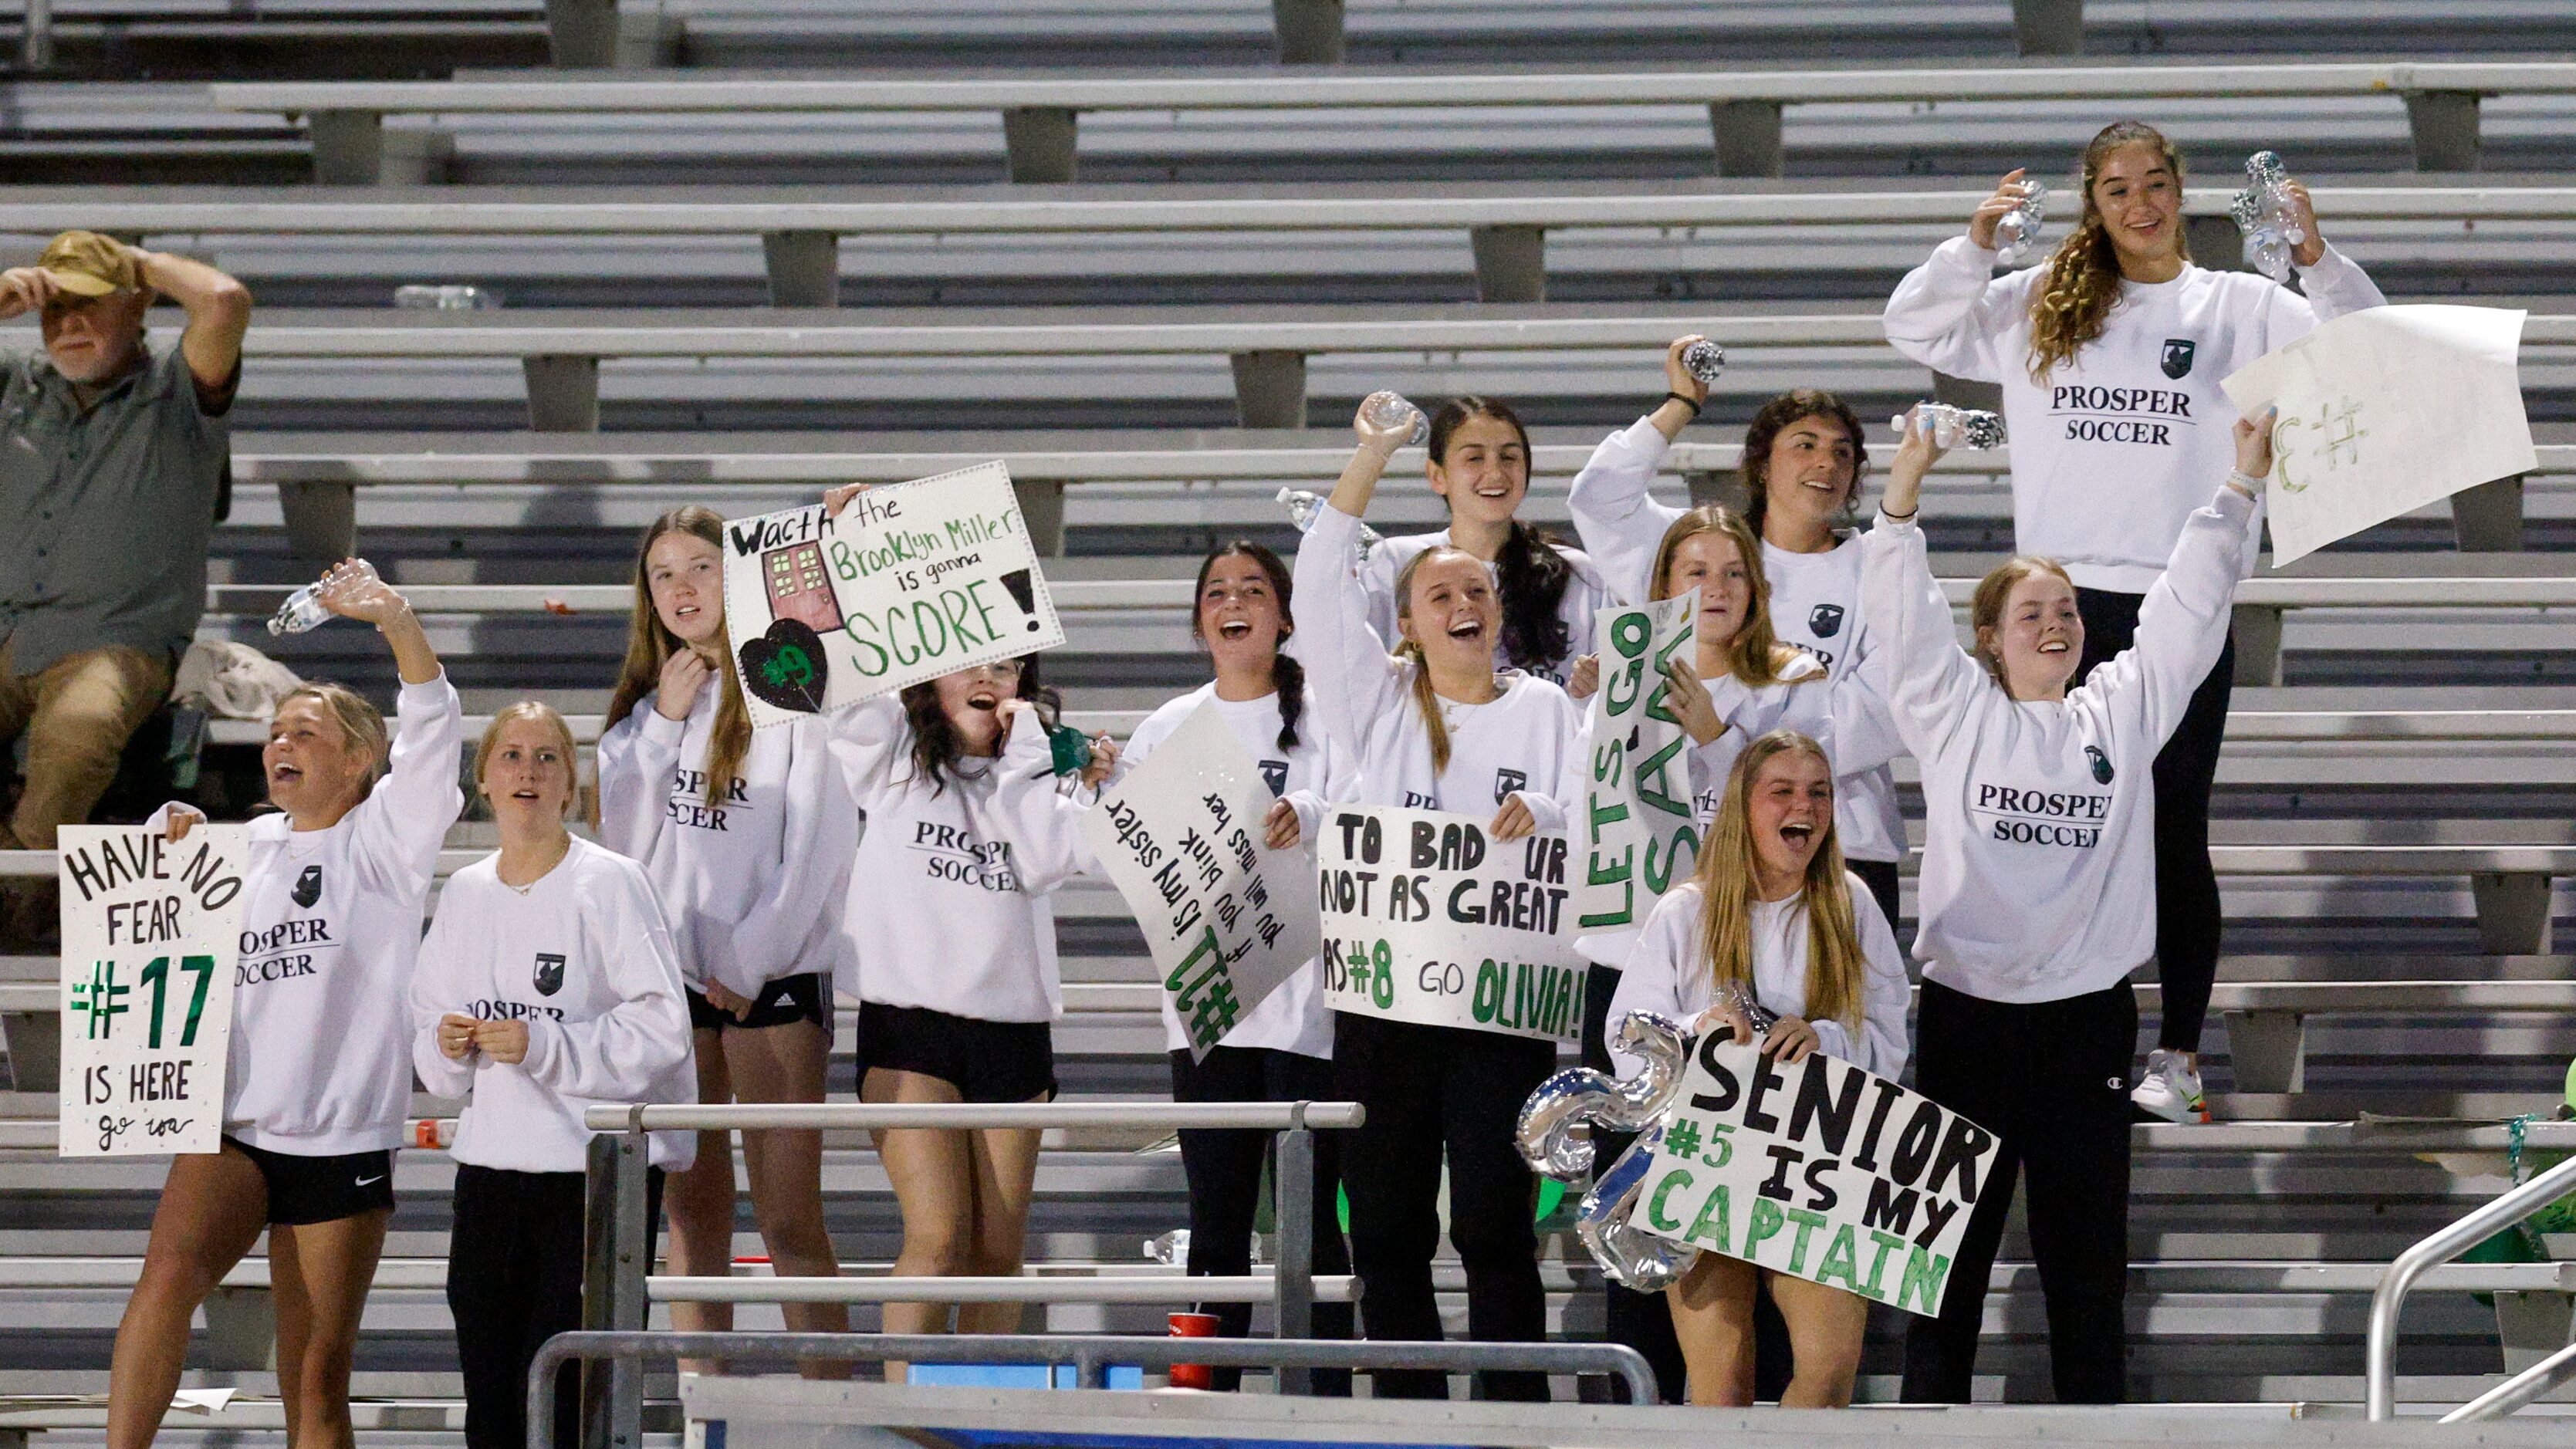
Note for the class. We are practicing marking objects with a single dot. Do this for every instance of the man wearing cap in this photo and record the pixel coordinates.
(111, 458)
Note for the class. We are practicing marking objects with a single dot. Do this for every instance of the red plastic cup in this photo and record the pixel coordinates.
(1193, 1375)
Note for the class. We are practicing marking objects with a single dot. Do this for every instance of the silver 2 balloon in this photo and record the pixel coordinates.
(1641, 1104)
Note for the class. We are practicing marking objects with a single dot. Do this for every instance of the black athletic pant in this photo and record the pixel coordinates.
(2052, 1079)
(1224, 1169)
(2187, 908)
(514, 1260)
(1430, 1088)
(1880, 877)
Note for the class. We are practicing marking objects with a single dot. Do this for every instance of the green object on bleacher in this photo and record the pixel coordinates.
(1551, 1194)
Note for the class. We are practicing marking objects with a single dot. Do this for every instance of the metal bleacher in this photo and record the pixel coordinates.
(704, 301)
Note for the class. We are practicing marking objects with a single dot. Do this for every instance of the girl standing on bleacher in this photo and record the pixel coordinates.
(1480, 466)
(2038, 866)
(1435, 727)
(549, 983)
(2110, 355)
(319, 1085)
(748, 840)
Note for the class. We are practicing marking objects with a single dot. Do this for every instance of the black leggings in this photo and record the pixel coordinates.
(2051, 1078)
(1224, 1169)
(2187, 907)
(1430, 1088)
(1880, 877)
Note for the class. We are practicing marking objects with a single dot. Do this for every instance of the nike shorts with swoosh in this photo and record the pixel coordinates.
(321, 1189)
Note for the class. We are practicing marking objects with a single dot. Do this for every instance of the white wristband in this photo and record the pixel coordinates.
(2250, 487)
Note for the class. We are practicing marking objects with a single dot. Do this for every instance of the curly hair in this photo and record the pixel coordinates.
(2072, 305)
(1795, 406)
(1529, 574)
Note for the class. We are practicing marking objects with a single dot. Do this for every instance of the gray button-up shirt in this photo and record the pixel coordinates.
(108, 515)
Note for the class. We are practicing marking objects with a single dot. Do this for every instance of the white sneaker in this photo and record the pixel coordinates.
(2170, 1090)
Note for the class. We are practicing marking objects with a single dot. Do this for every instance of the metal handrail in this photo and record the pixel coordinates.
(1090, 1354)
(1085, 1288)
(1257, 1116)
(2434, 1251)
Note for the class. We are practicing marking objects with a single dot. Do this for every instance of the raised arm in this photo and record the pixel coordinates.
(218, 317)
(869, 743)
(1354, 679)
(2333, 283)
(404, 820)
(1926, 678)
(2182, 623)
(617, 1054)
(1044, 820)
(1949, 312)
(1618, 519)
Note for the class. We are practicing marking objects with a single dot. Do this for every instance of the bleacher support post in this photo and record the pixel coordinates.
(2214, 242)
(1270, 389)
(2488, 517)
(1747, 134)
(1511, 263)
(348, 147)
(1038, 142)
(1293, 1178)
(563, 393)
(2268, 1050)
(321, 519)
(1711, 487)
(804, 268)
(36, 44)
(1042, 512)
(241, 1329)
(2048, 27)
(35, 1042)
(2445, 125)
(1310, 31)
(612, 1285)
(2513, 912)
(2257, 629)
(582, 33)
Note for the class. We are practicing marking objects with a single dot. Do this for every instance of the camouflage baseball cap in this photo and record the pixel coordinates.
(87, 264)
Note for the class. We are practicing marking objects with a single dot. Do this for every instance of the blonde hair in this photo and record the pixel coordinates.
(361, 723)
(1755, 655)
(649, 646)
(1836, 966)
(1425, 702)
(2072, 305)
(544, 715)
(1986, 607)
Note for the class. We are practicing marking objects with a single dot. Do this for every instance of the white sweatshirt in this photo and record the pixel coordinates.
(1585, 595)
(1815, 609)
(752, 886)
(321, 1050)
(2112, 451)
(948, 897)
(1669, 973)
(1528, 741)
(1292, 1017)
(2039, 870)
(582, 956)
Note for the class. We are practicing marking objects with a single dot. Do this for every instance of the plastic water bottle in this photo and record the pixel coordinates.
(2268, 216)
(1386, 412)
(447, 298)
(302, 611)
(1172, 1249)
(1704, 360)
(2017, 234)
(1305, 507)
(1955, 427)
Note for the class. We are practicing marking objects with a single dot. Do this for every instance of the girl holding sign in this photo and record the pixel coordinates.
(2110, 355)
(1771, 914)
(1479, 464)
(1435, 727)
(319, 1082)
(748, 839)
(951, 953)
(2038, 865)
(548, 982)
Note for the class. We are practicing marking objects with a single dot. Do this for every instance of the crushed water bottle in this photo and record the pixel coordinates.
(1386, 412)
(447, 298)
(1704, 360)
(2268, 216)
(1955, 427)
(1304, 507)
(2017, 234)
(303, 609)
(1172, 1249)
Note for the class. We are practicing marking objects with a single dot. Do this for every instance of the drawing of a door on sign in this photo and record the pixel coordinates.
(798, 587)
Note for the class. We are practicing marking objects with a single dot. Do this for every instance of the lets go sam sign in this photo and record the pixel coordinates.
(910, 582)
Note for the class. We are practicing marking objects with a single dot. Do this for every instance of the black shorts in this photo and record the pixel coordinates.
(986, 1061)
(321, 1189)
(806, 997)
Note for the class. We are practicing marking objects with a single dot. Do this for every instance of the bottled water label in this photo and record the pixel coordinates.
(2017, 235)
(1955, 427)
(1303, 507)
(302, 611)
(1704, 360)
(2268, 216)
(1386, 412)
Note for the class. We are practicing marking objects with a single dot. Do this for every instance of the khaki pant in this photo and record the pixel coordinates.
(77, 716)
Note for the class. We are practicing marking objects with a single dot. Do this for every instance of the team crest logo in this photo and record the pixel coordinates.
(2177, 358)
(308, 887)
(1505, 782)
(1825, 620)
(1274, 773)
(2101, 763)
(549, 973)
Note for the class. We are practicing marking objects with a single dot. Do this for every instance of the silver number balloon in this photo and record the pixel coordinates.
(1581, 1096)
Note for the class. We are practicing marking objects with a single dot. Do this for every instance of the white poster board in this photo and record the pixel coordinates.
(1228, 919)
(1821, 1171)
(151, 931)
(2383, 411)
(1428, 919)
(1637, 833)
(911, 582)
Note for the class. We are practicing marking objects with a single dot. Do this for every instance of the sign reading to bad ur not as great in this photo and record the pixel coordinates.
(910, 582)
(151, 930)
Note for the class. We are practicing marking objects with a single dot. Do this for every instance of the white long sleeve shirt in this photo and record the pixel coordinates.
(2039, 872)
(584, 957)
(752, 885)
(1669, 973)
(2113, 450)
(948, 899)
(1815, 609)
(1586, 594)
(1527, 741)
(321, 1049)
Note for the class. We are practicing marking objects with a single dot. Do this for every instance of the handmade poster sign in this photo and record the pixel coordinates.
(1636, 831)
(150, 933)
(1227, 918)
(2382, 412)
(910, 582)
(1428, 919)
(1821, 1171)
